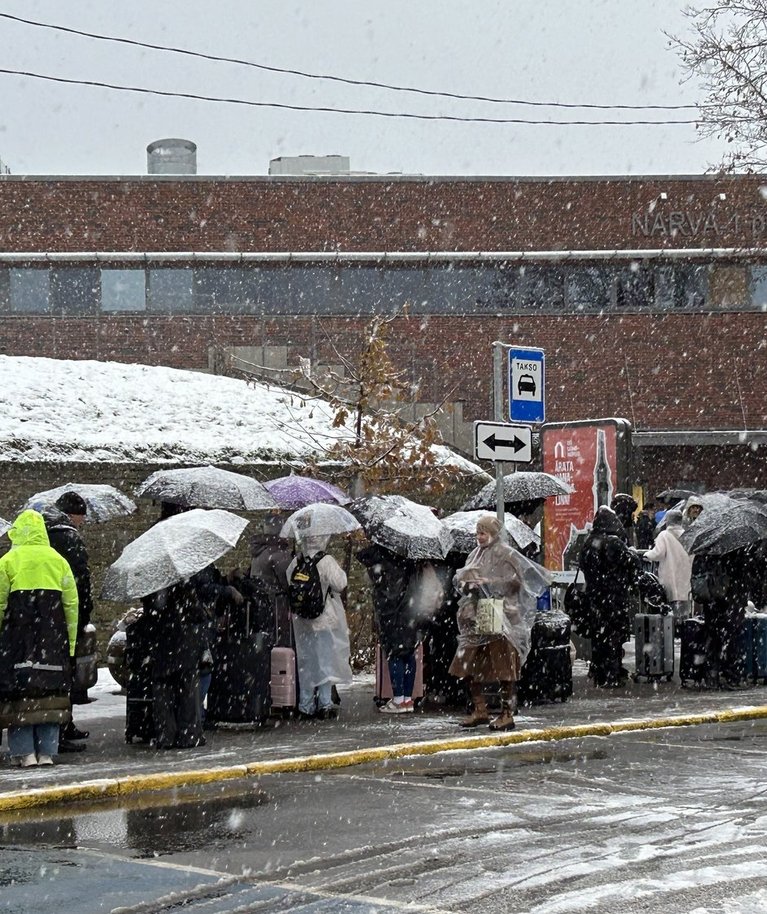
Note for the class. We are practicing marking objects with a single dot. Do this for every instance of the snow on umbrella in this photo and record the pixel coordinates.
(722, 530)
(103, 502)
(207, 487)
(170, 551)
(403, 526)
(463, 526)
(672, 496)
(755, 495)
(319, 520)
(4, 526)
(525, 486)
(293, 492)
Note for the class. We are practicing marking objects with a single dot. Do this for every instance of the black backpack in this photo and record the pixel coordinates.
(305, 596)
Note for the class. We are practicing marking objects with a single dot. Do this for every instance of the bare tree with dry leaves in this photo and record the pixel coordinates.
(727, 54)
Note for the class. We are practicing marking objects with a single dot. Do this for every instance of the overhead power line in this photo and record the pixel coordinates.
(330, 110)
(339, 79)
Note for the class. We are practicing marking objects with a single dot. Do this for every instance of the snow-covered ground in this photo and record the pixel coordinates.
(67, 410)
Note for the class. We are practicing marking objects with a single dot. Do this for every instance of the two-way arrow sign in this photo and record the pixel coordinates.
(503, 442)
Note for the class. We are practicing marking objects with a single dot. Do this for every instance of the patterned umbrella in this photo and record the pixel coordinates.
(720, 531)
(292, 492)
(207, 487)
(403, 526)
(527, 486)
(4, 526)
(103, 502)
(463, 526)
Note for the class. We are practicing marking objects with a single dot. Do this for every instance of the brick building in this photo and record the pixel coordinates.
(648, 294)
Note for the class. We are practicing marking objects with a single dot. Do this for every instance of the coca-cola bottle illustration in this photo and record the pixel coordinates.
(602, 475)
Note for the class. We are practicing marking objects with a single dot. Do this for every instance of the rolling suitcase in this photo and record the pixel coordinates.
(284, 680)
(383, 690)
(139, 719)
(239, 689)
(760, 647)
(548, 672)
(654, 645)
(692, 656)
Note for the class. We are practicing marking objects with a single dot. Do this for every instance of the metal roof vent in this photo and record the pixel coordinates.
(171, 157)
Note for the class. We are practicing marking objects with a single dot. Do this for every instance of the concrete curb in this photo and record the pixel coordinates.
(134, 784)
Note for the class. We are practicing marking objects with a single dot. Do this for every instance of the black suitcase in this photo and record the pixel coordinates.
(692, 656)
(548, 671)
(654, 647)
(239, 688)
(139, 719)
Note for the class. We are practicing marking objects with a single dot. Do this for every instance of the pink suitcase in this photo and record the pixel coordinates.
(284, 680)
(383, 682)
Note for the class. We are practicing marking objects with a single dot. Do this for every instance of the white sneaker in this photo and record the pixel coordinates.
(28, 761)
(408, 706)
(392, 707)
(44, 760)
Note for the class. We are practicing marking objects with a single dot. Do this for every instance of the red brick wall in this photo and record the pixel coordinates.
(377, 214)
(671, 372)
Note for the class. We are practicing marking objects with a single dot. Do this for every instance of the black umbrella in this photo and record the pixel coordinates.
(402, 526)
(755, 495)
(720, 531)
(672, 496)
(518, 487)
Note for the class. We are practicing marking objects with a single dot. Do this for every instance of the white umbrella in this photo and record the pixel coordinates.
(463, 526)
(170, 551)
(4, 526)
(207, 487)
(319, 520)
(103, 502)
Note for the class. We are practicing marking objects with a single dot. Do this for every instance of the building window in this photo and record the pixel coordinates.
(635, 288)
(75, 290)
(30, 290)
(681, 287)
(171, 290)
(123, 290)
(758, 287)
(588, 288)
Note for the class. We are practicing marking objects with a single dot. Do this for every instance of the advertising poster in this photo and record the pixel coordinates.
(593, 458)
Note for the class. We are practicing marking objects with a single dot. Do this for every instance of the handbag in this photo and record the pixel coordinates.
(490, 616)
(578, 608)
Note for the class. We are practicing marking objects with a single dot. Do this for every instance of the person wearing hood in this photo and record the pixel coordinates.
(610, 570)
(38, 632)
(624, 506)
(674, 564)
(63, 525)
(496, 571)
(322, 643)
(693, 508)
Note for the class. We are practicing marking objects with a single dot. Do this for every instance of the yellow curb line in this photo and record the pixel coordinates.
(133, 784)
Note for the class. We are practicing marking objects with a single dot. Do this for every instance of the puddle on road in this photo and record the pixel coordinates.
(148, 826)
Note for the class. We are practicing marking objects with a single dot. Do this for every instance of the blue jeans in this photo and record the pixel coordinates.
(306, 703)
(34, 739)
(402, 674)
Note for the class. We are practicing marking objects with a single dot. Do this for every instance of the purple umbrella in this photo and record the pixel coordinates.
(293, 492)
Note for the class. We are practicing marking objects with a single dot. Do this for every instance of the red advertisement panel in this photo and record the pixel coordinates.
(589, 457)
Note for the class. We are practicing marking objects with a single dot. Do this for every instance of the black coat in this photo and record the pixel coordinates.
(610, 570)
(390, 575)
(66, 540)
(175, 624)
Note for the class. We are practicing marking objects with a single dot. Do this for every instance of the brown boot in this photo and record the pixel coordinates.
(505, 721)
(479, 715)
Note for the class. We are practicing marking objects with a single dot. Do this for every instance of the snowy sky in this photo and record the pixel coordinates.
(601, 51)
(64, 410)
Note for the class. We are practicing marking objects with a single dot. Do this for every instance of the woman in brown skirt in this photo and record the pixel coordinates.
(493, 569)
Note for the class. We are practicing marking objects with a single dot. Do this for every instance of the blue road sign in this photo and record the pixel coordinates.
(527, 385)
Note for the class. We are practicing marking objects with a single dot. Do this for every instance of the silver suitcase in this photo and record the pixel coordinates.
(654, 645)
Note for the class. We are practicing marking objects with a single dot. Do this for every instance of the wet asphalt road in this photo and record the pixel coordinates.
(672, 821)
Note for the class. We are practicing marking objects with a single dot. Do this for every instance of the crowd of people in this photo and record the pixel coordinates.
(476, 613)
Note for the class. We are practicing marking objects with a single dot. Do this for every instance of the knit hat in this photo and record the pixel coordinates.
(72, 503)
(489, 523)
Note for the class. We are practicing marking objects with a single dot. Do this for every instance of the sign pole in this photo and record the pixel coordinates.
(498, 415)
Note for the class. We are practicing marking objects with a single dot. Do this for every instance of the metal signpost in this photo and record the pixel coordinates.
(503, 442)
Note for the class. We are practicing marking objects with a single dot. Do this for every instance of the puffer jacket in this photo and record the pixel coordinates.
(38, 624)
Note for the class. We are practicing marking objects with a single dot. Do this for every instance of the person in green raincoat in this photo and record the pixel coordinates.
(38, 630)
